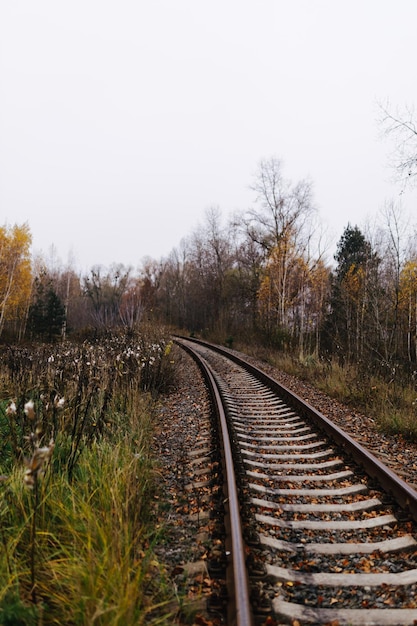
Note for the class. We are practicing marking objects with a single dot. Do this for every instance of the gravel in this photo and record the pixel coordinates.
(190, 491)
(394, 451)
(190, 500)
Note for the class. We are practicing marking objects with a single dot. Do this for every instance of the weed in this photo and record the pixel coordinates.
(75, 513)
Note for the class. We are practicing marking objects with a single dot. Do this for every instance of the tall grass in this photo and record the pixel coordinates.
(77, 540)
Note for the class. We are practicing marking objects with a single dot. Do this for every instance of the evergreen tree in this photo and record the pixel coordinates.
(348, 328)
(46, 314)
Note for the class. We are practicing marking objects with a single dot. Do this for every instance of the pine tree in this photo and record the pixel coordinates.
(46, 314)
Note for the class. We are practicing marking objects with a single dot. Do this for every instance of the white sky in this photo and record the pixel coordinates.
(122, 121)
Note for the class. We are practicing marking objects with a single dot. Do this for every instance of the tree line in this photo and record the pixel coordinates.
(263, 276)
(266, 277)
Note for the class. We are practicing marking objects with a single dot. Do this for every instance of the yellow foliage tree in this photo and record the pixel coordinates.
(353, 283)
(408, 284)
(319, 277)
(276, 288)
(15, 273)
(292, 293)
(407, 299)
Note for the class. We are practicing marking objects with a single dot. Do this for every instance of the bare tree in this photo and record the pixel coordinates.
(402, 127)
(282, 209)
(172, 287)
(210, 261)
(279, 226)
(105, 289)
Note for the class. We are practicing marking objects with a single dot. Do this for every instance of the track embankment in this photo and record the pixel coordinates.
(325, 541)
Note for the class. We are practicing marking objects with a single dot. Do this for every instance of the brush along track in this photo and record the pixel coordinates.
(325, 543)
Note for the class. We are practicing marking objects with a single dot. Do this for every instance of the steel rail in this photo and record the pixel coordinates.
(241, 614)
(390, 482)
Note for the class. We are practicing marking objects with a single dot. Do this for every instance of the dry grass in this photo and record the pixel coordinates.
(390, 400)
(77, 539)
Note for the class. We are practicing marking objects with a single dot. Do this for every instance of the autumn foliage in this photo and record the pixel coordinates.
(15, 276)
(264, 277)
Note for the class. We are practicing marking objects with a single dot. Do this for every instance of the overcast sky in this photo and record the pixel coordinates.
(123, 121)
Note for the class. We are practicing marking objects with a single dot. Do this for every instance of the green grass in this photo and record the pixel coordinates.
(78, 548)
(94, 562)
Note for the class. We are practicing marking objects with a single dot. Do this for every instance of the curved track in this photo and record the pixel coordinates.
(320, 531)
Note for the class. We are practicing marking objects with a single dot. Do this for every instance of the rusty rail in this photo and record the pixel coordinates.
(239, 611)
(390, 482)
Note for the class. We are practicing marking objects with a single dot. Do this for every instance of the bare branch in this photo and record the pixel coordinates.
(402, 127)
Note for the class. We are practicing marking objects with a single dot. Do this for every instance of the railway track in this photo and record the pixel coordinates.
(319, 531)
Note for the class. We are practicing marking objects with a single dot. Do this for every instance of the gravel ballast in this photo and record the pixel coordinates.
(190, 497)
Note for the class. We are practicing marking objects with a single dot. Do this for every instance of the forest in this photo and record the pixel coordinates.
(264, 277)
(85, 360)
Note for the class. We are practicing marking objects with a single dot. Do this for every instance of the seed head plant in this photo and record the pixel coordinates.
(77, 479)
(35, 470)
